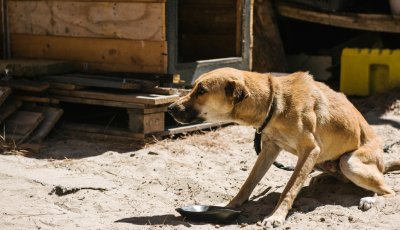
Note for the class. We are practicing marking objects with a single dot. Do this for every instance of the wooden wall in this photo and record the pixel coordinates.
(115, 35)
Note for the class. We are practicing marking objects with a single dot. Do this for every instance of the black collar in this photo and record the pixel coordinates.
(270, 112)
(257, 137)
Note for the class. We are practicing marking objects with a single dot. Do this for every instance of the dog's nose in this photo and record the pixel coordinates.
(170, 108)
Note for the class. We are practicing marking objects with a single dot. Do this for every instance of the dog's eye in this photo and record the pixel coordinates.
(200, 90)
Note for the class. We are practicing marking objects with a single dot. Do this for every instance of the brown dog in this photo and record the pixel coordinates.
(308, 119)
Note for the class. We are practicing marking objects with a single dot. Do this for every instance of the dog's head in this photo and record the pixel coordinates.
(212, 98)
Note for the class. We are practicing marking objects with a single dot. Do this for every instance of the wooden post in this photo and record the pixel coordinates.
(142, 122)
(268, 52)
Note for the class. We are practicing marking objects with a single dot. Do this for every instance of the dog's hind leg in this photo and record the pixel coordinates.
(364, 168)
(264, 161)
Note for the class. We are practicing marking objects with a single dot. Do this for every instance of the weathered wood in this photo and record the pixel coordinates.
(127, 20)
(268, 53)
(54, 85)
(101, 129)
(372, 22)
(141, 56)
(115, 67)
(164, 78)
(127, 82)
(51, 116)
(142, 98)
(33, 86)
(105, 137)
(148, 111)
(28, 106)
(89, 82)
(146, 123)
(35, 99)
(188, 128)
(33, 68)
(8, 107)
(22, 122)
(4, 92)
(98, 102)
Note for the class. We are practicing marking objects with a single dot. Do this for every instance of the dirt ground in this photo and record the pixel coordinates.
(76, 184)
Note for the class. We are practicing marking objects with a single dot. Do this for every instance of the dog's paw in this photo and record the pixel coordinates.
(273, 221)
(366, 203)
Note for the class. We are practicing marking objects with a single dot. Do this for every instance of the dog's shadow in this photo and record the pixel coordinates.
(324, 190)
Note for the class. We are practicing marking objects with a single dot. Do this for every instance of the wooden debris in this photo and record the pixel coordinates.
(22, 122)
(34, 68)
(143, 98)
(8, 107)
(51, 116)
(33, 86)
(36, 99)
(4, 92)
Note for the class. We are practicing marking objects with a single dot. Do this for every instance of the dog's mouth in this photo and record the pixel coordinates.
(185, 115)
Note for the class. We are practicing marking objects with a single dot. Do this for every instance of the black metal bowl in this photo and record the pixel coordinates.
(206, 213)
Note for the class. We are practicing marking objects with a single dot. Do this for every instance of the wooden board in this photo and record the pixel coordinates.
(33, 86)
(33, 68)
(89, 82)
(239, 13)
(51, 116)
(8, 107)
(142, 98)
(188, 128)
(104, 137)
(127, 20)
(164, 78)
(54, 85)
(22, 122)
(141, 56)
(36, 99)
(148, 111)
(372, 22)
(4, 92)
(146, 123)
(100, 129)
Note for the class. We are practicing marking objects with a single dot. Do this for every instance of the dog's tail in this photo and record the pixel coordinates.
(391, 166)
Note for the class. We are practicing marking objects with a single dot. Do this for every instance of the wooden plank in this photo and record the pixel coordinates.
(146, 123)
(89, 82)
(4, 92)
(372, 22)
(239, 14)
(142, 56)
(164, 78)
(101, 129)
(22, 122)
(33, 68)
(114, 67)
(54, 85)
(127, 20)
(28, 106)
(33, 86)
(142, 98)
(105, 137)
(98, 102)
(160, 1)
(9, 107)
(188, 128)
(51, 116)
(127, 82)
(35, 99)
(148, 111)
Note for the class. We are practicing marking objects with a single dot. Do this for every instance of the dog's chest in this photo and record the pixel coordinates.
(286, 143)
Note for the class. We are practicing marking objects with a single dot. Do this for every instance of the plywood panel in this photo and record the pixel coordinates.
(140, 21)
(141, 56)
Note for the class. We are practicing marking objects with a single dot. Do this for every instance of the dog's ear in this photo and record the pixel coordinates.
(237, 90)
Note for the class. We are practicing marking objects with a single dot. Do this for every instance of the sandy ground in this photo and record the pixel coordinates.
(75, 184)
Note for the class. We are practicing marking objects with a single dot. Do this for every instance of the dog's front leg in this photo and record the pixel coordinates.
(264, 161)
(306, 161)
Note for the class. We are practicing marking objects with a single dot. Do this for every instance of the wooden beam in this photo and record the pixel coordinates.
(142, 98)
(33, 68)
(126, 20)
(126, 84)
(372, 22)
(33, 86)
(54, 85)
(100, 129)
(141, 56)
(22, 122)
(51, 116)
(35, 99)
(89, 82)
(105, 137)
(164, 78)
(8, 107)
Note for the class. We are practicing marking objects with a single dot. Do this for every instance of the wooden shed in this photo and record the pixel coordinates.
(185, 37)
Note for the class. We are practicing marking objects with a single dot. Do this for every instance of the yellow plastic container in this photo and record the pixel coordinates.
(367, 71)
